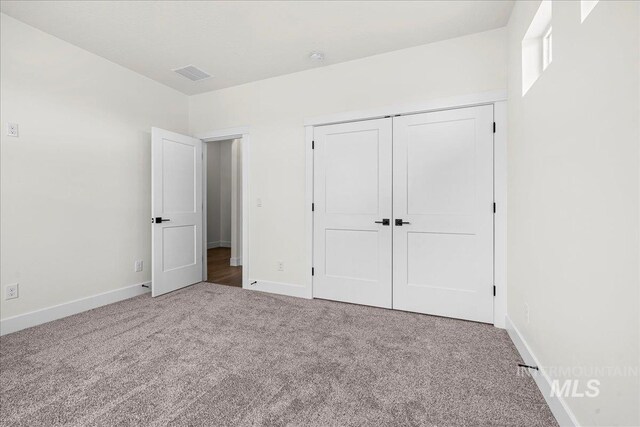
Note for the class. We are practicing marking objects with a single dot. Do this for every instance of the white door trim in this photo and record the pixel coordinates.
(242, 133)
(308, 214)
(500, 217)
(495, 98)
(224, 134)
(470, 100)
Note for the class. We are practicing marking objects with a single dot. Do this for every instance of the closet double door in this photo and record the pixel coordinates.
(403, 213)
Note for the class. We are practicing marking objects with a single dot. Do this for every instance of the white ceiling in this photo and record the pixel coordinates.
(239, 42)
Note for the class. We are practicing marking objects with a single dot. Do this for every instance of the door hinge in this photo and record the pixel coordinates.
(313, 207)
(494, 207)
(494, 127)
(312, 271)
(494, 290)
(313, 145)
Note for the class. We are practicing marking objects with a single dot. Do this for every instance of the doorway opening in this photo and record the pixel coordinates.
(223, 207)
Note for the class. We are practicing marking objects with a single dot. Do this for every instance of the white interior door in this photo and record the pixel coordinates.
(352, 196)
(443, 194)
(176, 205)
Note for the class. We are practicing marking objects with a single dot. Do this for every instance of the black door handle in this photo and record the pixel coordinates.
(385, 221)
(159, 219)
(399, 222)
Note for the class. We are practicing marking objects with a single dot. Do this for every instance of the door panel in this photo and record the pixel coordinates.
(178, 243)
(439, 260)
(178, 172)
(440, 173)
(176, 189)
(352, 190)
(443, 188)
(362, 247)
(351, 176)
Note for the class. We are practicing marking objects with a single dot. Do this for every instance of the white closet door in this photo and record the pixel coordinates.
(443, 190)
(352, 196)
(176, 204)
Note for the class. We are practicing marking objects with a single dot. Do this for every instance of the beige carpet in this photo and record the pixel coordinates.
(216, 355)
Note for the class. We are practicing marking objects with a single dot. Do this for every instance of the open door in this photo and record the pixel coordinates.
(176, 209)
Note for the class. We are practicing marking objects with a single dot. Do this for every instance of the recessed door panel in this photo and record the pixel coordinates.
(440, 173)
(440, 260)
(351, 175)
(352, 254)
(179, 247)
(178, 166)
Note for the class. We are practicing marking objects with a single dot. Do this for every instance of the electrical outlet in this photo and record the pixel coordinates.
(138, 266)
(280, 266)
(11, 291)
(12, 129)
(259, 202)
(526, 313)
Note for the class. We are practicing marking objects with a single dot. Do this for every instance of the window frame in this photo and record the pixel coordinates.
(547, 47)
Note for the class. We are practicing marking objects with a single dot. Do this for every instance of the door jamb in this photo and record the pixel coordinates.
(243, 134)
(499, 101)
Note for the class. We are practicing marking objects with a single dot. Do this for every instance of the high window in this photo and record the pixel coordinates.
(537, 46)
(586, 6)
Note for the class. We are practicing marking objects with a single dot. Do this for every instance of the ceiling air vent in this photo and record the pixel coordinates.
(192, 73)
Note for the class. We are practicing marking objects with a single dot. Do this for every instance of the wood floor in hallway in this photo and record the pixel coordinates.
(218, 269)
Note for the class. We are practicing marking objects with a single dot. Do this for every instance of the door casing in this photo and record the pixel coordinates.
(242, 133)
(498, 99)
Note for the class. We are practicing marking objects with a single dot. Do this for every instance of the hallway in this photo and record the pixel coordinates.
(218, 269)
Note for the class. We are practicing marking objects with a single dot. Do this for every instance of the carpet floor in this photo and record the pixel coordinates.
(211, 355)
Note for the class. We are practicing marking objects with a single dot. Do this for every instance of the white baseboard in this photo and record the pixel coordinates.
(557, 404)
(235, 262)
(38, 317)
(218, 244)
(290, 289)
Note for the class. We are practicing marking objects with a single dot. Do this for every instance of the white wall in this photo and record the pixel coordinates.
(573, 236)
(276, 108)
(236, 203)
(219, 189)
(225, 191)
(213, 194)
(75, 186)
